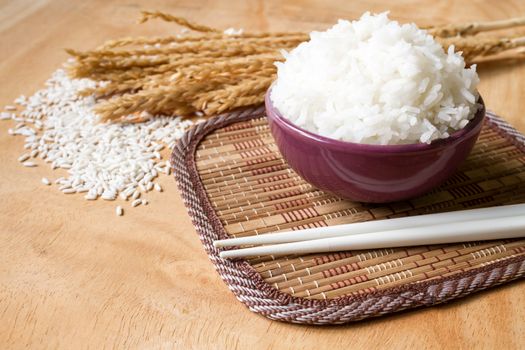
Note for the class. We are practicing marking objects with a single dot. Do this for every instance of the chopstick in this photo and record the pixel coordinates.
(374, 226)
(473, 230)
(449, 232)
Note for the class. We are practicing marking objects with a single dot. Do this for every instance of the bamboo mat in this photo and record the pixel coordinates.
(235, 183)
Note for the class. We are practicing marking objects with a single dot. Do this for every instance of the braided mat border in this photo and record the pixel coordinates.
(249, 287)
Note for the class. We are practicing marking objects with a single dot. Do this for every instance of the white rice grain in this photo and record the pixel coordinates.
(5, 116)
(24, 157)
(102, 159)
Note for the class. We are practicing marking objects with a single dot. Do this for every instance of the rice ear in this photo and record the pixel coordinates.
(147, 15)
(473, 28)
(474, 47)
(223, 63)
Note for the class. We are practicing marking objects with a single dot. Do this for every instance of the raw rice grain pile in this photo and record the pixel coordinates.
(376, 81)
(110, 161)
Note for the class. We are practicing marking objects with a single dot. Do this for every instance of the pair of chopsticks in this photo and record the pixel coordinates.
(452, 227)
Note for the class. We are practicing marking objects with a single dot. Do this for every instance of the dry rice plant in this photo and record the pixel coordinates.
(211, 71)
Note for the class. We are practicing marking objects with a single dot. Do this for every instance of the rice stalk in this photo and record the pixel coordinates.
(476, 47)
(163, 100)
(87, 62)
(185, 62)
(147, 15)
(195, 47)
(230, 97)
(213, 72)
(178, 39)
(467, 29)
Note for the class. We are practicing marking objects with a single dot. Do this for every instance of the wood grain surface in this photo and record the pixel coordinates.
(74, 275)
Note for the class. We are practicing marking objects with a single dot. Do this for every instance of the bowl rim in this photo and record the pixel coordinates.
(274, 114)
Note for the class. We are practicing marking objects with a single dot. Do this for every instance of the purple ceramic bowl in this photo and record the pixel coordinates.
(371, 173)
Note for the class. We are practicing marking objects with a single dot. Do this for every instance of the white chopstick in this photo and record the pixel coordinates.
(473, 230)
(374, 226)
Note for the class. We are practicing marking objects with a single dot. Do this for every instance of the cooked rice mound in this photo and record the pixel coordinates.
(376, 81)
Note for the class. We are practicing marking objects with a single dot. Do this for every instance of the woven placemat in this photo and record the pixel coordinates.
(235, 183)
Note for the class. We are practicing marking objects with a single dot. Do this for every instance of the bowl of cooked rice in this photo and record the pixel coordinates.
(374, 111)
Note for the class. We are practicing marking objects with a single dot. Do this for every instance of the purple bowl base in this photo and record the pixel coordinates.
(372, 173)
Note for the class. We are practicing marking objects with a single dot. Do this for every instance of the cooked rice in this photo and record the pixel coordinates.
(376, 81)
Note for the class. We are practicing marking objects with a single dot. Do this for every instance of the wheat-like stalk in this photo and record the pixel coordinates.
(88, 62)
(147, 15)
(473, 47)
(451, 30)
(223, 99)
(213, 72)
(194, 47)
(178, 39)
(186, 63)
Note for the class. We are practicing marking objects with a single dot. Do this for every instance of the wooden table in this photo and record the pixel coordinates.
(74, 275)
